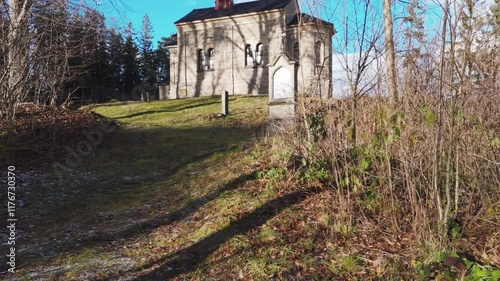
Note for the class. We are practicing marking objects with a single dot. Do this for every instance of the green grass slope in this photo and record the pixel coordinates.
(176, 192)
(163, 162)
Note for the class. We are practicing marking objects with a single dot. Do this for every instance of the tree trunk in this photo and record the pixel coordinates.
(16, 64)
(390, 52)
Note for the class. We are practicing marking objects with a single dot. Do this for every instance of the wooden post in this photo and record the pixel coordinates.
(225, 103)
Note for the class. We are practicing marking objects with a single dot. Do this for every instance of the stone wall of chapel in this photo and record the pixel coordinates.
(312, 78)
(228, 37)
(174, 74)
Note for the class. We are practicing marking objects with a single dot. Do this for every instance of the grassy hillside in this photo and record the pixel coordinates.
(164, 161)
(175, 192)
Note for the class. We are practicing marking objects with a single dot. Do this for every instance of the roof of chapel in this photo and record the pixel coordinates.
(236, 9)
(305, 18)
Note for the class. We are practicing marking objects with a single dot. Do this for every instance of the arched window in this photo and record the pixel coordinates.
(259, 54)
(317, 53)
(211, 58)
(202, 62)
(249, 59)
(296, 51)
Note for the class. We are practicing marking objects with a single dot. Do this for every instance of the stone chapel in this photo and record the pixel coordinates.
(240, 48)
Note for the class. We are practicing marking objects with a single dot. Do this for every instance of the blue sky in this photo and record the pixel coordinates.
(162, 13)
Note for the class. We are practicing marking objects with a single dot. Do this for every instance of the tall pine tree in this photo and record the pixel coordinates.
(131, 76)
(96, 49)
(162, 56)
(147, 55)
(114, 54)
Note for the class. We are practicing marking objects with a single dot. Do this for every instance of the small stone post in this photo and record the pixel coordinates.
(225, 103)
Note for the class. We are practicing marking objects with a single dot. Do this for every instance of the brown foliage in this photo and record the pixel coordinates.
(40, 134)
(385, 180)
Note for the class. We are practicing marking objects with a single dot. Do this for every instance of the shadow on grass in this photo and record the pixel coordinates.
(143, 228)
(188, 259)
(164, 151)
(139, 229)
(172, 108)
(124, 153)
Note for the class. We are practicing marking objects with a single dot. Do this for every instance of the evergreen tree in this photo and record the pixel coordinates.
(55, 29)
(114, 54)
(147, 55)
(131, 76)
(95, 50)
(63, 60)
(162, 56)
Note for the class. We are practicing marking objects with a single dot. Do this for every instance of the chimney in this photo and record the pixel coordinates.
(223, 4)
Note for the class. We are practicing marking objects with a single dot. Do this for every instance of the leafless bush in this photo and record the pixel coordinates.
(427, 164)
(392, 162)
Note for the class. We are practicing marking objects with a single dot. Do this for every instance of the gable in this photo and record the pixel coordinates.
(306, 19)
(237, 9)
(282, 59)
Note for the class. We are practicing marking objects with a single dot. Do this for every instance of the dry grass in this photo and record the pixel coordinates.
(297, 206)
(384, 182)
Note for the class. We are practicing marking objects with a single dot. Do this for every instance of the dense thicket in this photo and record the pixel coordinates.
(427, 163)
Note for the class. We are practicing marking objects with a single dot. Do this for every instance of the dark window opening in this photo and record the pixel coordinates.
(296, 51)
(317, 53)
(202, 62)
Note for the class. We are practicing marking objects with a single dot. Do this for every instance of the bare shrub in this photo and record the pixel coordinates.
(386, 179)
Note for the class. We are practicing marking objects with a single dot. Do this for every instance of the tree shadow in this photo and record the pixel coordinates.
(138, 229)
(168, 109)
(143, 228)
(188, 259)
(174, 150)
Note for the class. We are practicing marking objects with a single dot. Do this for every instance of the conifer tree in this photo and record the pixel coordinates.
(95, 50)
(114, 63)
(146, 54)
(131, 76)
(162, 57)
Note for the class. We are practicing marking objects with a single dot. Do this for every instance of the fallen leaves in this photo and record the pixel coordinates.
(39, 134)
